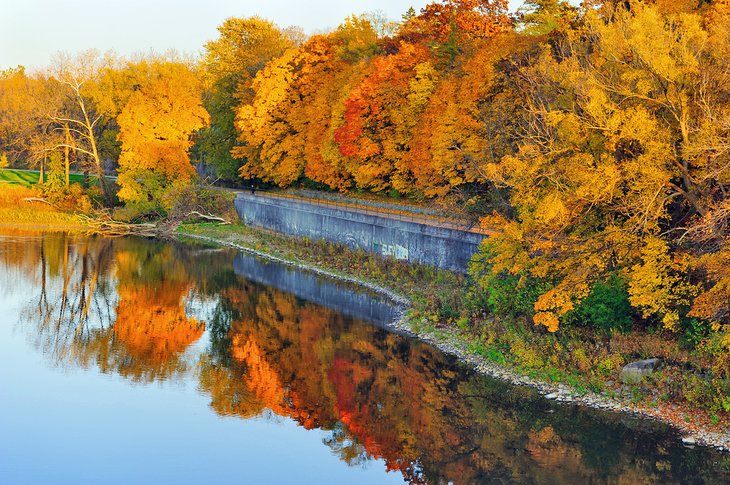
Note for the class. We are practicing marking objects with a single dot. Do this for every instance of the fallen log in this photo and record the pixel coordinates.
(38, 199)
(107, 226)
(208, 217)
(110, 227)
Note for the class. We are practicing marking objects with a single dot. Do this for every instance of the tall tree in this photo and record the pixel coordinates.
(156, 129)
(27, 132)
(230, 63)
(78, 75)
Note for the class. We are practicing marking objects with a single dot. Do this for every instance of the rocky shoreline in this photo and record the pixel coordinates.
(690, 435)
(449, 342)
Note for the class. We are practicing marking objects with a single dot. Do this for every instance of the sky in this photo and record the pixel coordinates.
(31, 31)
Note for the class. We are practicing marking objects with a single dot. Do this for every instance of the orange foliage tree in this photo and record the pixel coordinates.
(288, 129)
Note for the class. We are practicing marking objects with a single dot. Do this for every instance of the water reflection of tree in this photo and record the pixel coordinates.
(382, 396)
(118, 304)
(152, 326)
(75, 300)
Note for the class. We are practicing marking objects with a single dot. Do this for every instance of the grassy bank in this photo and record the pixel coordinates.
(683, 391)
(17, 208)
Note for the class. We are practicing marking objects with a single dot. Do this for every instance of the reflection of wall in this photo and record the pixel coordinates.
(420, 243)
(310, 287)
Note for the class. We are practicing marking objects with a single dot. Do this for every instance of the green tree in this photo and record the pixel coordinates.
(243, 47)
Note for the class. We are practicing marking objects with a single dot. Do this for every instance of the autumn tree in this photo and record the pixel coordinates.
(614, 162)
(448, 24)
(332, 64)
(465, 118)
(27, 133)
(230, 63)
(390, 119)
(287, 131)
(268, 141)
(156, 131)
(378, 115)
(78, 76)
(16, 113)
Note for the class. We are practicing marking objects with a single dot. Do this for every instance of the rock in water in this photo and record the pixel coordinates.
(634, 372)
(689, 441)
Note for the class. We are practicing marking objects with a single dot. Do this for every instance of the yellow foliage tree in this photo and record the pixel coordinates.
(619, 146)
(156, 129)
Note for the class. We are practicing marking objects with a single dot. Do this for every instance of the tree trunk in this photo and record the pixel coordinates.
(106, 190)
(67, 156)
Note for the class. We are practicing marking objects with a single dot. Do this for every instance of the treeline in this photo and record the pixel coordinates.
(594, 139)
(100, 114)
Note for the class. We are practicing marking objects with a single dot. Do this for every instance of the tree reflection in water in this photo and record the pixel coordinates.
(124, 306)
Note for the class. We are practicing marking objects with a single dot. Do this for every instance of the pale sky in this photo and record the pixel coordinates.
(31, 31)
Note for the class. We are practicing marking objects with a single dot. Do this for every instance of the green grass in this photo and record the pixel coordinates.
(28, 178)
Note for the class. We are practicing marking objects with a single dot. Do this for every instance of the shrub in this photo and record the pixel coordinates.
(606, 307)
(693, 331)
(507, 295)
(502, 294)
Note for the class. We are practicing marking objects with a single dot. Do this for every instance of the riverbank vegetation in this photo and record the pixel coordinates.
(591, 140)
(21, 206)
(444, 305)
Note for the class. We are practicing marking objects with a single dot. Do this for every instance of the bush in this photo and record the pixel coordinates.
(693, 331)
(502, 294)
(507, 295)
(72, 198)
(606, 308)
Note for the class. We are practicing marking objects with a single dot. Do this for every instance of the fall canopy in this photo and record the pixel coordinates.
(155, 128)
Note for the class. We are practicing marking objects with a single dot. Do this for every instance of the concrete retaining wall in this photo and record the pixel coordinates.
(412, 241)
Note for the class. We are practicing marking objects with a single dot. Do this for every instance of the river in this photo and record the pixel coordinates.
(134, 361)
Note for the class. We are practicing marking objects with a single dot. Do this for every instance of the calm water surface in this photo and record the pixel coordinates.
(134, 361)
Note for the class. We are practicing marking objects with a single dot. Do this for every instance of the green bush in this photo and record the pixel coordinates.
(502, 294)
(506, 295)
(693, 331)
(606, 308)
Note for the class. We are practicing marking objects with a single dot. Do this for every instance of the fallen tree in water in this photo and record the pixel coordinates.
(104, 224)
(107, 226)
